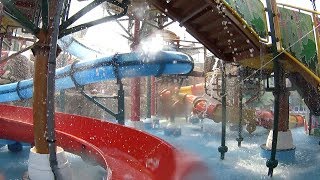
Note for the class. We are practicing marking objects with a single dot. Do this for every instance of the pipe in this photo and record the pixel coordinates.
(45, 14)
(1, 37)
(272, 162)
(223, 148)
(149, 97)
(102, 69)
(121, 103)
(153, 93)
(135, 83)
(120, 114)
(299, 8)
(51, 87)
(310, 123)
(240, 138)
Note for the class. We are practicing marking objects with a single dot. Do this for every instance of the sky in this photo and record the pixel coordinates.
(106, 37)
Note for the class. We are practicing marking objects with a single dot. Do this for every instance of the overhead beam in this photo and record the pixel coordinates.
(16, 14)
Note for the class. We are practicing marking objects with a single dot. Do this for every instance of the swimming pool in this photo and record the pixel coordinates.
(239, 163)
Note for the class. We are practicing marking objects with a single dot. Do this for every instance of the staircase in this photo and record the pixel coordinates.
(220, 28)
(309, 93)
(216, 26)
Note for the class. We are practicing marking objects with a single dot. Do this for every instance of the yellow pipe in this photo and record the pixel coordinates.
(299, 8)
(277, 25)
(244, 22)
(192, 89)
(185, 90)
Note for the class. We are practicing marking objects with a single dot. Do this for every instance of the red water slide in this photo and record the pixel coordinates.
(125, 152)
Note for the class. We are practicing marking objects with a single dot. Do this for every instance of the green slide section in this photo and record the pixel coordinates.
(252, 11)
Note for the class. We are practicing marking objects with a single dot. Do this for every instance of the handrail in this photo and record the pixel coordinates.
(302, 66)
(299, 8)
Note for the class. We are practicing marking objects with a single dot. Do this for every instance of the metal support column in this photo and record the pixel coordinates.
(135, 82)
(272, 162)
(153, 96)
(120, 115)
(149, 97)
(240, 138)
(310, 123)
(223, 148)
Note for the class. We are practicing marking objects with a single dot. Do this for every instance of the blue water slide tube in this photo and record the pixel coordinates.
(124, 65)
(76, 48)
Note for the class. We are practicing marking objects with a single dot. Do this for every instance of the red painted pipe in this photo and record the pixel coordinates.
(135, 82)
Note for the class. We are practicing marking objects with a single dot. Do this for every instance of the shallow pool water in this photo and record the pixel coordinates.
(240, 163)
(14, 165)
(245, 162)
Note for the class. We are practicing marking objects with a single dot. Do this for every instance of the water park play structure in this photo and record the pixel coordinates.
(241, 35)
(110, 157)
(136, 164)
(190, 99)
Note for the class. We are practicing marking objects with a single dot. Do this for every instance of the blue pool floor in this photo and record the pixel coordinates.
(240, 163)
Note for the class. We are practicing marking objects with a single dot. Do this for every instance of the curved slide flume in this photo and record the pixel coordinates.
(78, 49)
(107, 68)
(124, 152)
